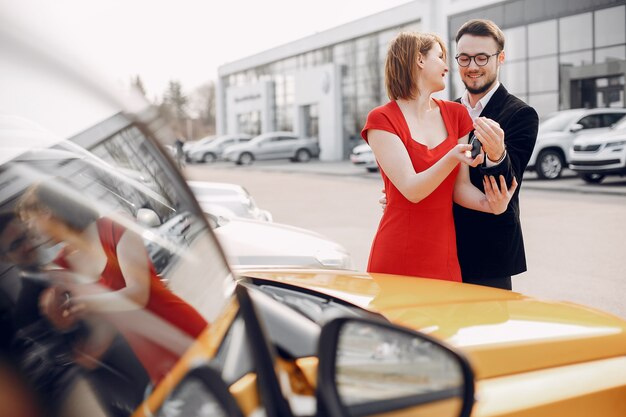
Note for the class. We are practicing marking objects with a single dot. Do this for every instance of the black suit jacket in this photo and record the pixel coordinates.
(491, 246)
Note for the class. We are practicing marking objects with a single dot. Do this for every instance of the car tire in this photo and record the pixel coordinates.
(302, 155)
(372, 169)
(549, 164)
(592, 178)
(245, 158)
(209, 157)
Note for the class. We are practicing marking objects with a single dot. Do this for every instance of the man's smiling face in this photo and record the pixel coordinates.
(477, 79)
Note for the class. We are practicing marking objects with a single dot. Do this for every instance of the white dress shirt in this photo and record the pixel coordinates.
(474, 112)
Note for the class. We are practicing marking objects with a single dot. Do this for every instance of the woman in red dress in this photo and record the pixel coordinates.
(127, 286)
(421, 145)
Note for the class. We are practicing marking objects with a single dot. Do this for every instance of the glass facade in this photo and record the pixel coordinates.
(572, 41)
(362, 63)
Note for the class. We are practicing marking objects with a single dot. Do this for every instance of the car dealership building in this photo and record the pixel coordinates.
(560, 54)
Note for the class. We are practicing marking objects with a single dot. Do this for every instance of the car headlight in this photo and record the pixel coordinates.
(615, 144)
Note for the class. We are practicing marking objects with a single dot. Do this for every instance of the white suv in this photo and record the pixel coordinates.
(557, 132)
(593, 157)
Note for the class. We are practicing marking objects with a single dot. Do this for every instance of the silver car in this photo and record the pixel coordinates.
(227, 200)
(212, 150)
(362, 155)
(273, 145)
(557, 132)
(593, 157)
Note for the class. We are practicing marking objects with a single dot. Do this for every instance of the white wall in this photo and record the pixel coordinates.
(322, 86)
(249, 98)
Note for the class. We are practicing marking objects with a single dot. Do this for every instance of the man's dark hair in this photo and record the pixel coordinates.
(482, 27)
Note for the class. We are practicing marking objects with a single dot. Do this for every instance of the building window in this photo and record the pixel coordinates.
(610, 26)
(544, 103)
(542, 39)
(249, 123)
(515, 45)
(576, 59)
(543, 74)
(612, 53)
(575, 32)
(513, 75)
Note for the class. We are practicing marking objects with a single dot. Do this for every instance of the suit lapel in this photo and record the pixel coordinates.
(494, 107)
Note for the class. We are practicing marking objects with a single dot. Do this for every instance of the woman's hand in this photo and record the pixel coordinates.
(462, 151)
(55, 303)
(498, 200)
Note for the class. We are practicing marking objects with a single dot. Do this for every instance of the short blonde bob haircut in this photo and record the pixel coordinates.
(401, 70)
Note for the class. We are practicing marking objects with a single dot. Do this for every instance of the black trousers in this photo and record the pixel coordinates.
(501, 282)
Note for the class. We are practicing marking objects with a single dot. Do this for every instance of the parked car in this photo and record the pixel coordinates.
(362, 155)
(273, 145)
(233, 198)
(212, 151)
(190, 144)
(595, 156)
(557, 132)
(280, 342)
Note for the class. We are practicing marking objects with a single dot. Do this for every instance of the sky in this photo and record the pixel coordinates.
(186, 40)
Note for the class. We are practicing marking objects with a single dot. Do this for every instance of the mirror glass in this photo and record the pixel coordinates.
(192, 398)
(376, 364)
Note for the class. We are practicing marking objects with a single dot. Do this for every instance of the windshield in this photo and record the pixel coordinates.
(108, 269)
(559, 121)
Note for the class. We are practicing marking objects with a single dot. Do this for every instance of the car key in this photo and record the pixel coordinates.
(475, 151)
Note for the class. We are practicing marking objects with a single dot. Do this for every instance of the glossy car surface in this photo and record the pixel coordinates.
(256, 243)
(362, 155)
(211, 151)
(278, 343)
(557, 132)
(595, 156)
(227, 200)
(273, 145)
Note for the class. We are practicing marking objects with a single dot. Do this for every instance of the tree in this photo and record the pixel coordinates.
(174, 106)
(202, 104)
(137, 83)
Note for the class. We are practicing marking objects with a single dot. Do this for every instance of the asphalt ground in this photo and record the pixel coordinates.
(569, 182)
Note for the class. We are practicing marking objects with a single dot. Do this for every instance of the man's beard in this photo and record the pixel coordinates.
(483, 88)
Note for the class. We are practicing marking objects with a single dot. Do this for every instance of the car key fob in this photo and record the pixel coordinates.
(476, 145)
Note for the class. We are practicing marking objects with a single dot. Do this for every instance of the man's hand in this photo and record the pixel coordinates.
(498, 197)
(491, 136)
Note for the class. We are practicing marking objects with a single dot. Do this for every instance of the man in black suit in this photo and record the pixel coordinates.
(491, 248)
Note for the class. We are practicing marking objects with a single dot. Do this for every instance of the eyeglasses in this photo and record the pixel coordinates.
(480, 59)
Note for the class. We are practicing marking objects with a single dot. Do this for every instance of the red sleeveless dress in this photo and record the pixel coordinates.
(418, 239)
(156, 358)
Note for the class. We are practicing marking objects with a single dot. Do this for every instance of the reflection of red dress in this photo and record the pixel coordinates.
(155, 358)
(418, 239)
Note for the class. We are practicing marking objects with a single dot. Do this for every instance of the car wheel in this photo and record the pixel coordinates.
(549, 164)
(372, 169)
(592, 178)
(245, 158)
(303, 155)
(209, 157)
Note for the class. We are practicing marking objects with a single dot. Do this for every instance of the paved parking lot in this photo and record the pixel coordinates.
(569, 182)
(575, 233)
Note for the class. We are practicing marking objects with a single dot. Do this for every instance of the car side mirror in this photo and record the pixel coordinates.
(576, 127)
(148, 217)
(369, 367)
(201, 392)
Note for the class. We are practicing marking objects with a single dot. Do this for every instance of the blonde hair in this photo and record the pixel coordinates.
(401, 70)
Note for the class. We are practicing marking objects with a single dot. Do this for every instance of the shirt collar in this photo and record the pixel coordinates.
(482, 103)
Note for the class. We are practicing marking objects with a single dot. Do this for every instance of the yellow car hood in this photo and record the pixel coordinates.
(502, 332)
